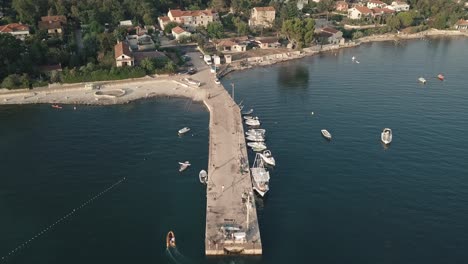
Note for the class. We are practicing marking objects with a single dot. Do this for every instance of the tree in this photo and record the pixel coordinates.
(393, 23)
(241, 27)
(29, 11)
(298, 31)
(215, 30)
(326, 5)
(120, 33)
(10, 54)
(358, 34)
(148, 19)
(440, 21)
(169, 26)
(406, 18)
(148, 65)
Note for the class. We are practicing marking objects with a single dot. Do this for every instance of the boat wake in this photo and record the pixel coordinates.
(176, 257)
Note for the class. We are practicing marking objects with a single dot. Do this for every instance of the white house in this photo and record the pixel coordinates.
(375, 3)
(359, 12)
(18, 30)
(123, 55)
(190, 19)
(462, 24)
(126, 23)
(399, 6)
(179, 32)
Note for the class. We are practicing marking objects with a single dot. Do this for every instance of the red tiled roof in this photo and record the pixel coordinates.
(165, 18)
(377, 2)
(122, 48)
(178, 30)
(363, 9)
(264, 8)
(13, 28)
(376, 10)
(180, 13)
(330, 30)
(462, 22)
(61, 19)
(226, 43)
(44, 25)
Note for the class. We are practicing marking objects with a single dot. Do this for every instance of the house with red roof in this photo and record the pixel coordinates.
(461, 24)
(123, 56)
(262, 16)
(238, 44)
(190, 19)
(18, 30)
(54, 25)
(179, 32)
(359, 12)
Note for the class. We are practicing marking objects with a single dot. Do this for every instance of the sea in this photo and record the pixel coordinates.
(100, 184)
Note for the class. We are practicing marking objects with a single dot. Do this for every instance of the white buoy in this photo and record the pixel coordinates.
(312, 113)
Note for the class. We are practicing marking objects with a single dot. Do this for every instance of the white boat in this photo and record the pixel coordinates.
(257, 130)
(357, 62)
(217, 81)
(268, 158)
(247, 117)
(184, 166)
(326, 134)
(203, 176)
(422, 80)
(249, 112)
(252, 122)
(260, 176)
(255, 134)
(184, 130)
(257, 146)
(386, 136)
(255, 138)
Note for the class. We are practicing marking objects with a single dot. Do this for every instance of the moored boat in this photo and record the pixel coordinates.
(183, 130)
(268, 158)
(184, 166)
(248, 117)
(170, 240)
(326, 134)
(386, 136)
(56, 106)
(441, 77)
(257, 146)
(203, 176)
(257, 130)
(260, 176)
(422, 80)
(255, 134)
(252, 122)
(255, 138)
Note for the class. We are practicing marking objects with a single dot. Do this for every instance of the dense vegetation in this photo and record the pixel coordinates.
(90, 56)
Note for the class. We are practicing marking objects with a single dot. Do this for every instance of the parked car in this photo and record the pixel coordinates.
(192, 71)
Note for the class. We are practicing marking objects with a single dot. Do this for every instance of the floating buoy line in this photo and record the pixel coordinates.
(5, 258)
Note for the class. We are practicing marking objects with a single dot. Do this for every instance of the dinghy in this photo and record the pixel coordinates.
(183, 130)
(326, 134)
(184, 166)
(257, 146)
(422, 80)
(441, 77)
(170, 240)
(268, 158)
(248, 112)
(386, 136)
(203, 176)
(252, 122)
(255, 138)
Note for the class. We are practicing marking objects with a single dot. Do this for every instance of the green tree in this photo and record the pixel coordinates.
(29, 11)
(10, 54)
(148, 65)
(393, 23)
(215, 30)
(326, 5)
(241, 27)
(170, 67)
(299, 31)
(406, 18)
(120, 33)
(440, 21)
(358, 34)
(168, 28)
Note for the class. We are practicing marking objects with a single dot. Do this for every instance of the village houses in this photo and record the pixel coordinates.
(53, 24)
(18, 30)
(232, 44)
(329, 35)
(461, 24)
(189, 19)
(359, 12)
(399, 6)
(341, 6)
(375, 3)
(179, 33)
(262, 17)
(267, 42)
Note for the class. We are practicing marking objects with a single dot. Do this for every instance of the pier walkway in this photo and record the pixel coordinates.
(231, 215)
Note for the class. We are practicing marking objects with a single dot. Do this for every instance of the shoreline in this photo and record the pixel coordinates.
(128, 90)
(306, 52)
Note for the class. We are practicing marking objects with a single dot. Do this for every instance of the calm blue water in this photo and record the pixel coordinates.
(350, 200)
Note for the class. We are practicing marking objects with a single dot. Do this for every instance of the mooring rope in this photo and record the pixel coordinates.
(5, 258)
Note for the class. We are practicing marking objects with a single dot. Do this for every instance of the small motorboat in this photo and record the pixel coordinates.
(326, 134)
(184, 130)
(255, 138)
(422, 80)
(255, 134)
(357, 62)
(217, 81)
(203, 176)
(252, 122)
(268, 158)
(170, 240)
(184, 166)
(56, 106)
(441, 77)
(257, 130)
(386, 136)
(257, 146)
(248, 112)
(248, 117)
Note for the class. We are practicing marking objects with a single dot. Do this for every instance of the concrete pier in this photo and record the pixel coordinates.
(231, 215)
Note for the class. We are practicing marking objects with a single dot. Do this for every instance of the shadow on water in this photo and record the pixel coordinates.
(292, 76)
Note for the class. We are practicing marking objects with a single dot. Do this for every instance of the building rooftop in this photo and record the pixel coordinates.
(61, 19)
(122, 48)
(178, 30)
(180, 13)
(14, 27)
(264, 8)
(45, 25)
(363, 9)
